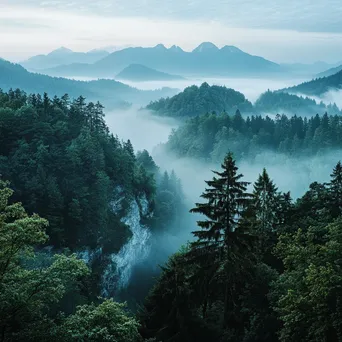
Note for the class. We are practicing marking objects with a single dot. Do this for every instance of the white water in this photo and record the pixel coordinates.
(119, 270)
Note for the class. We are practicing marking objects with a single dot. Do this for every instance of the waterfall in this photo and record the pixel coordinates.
(119, 270)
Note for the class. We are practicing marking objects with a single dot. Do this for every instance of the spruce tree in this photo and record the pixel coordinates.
(265, 202)
(335, 187)
(221, 246)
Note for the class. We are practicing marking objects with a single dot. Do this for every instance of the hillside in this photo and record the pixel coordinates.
(289, 104)
(110, 92)
(195, 100)
(141, 73)
(318, 86)
(205, 60)
(63, 56)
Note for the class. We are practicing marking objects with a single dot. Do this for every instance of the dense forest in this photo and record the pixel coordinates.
(63, 164)
(199, 100)
(211, 136)
(319, 86)
(195, 101)
(262, 267)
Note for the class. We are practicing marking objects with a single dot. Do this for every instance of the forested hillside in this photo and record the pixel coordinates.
(195, 101)
(211, 136)
(200, 100)
(63, 164)
(319, 86)
(272, 102)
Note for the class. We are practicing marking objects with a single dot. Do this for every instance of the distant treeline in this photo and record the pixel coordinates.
(210, 136)
(194, 101)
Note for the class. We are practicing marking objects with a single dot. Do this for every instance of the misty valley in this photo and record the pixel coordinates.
(157, 194)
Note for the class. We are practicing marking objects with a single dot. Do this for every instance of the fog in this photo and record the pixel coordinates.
(252, 88)
(143, 129)
(149, 132)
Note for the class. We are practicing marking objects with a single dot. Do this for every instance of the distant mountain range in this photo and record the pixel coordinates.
(318, 86)
(111, 93)
(141, 73)
(62, 56)
(206, 60)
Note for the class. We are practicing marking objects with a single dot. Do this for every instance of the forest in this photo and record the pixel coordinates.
(260, 266)
(196, 100)
(211, 136)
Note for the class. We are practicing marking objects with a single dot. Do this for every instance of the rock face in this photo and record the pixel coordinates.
(118, 272)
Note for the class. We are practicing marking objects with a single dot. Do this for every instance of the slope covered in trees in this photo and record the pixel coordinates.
(261, 268)
(109, 92)
(200, 100)
(210, 136)
(34, 288)
(195, 101)
(273, 102)
(318, 86)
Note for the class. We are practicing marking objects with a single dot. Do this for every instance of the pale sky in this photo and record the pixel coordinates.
(280, 30)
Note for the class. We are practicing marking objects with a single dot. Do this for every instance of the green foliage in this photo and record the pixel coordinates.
(279, 102)
(211, 136)
(28, 293)
(199, 100)
(106, 322)
(64, 164)
(262, 268)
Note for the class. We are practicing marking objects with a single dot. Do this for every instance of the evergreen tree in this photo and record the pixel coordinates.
(335, 188)
(220, 241)
(265, 202)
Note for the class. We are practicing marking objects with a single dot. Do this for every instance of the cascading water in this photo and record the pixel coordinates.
(119, 270)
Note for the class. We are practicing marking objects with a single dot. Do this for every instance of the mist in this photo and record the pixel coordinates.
(150, 132)
(252, 88)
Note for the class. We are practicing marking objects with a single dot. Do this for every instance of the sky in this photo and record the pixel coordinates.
(281, 30)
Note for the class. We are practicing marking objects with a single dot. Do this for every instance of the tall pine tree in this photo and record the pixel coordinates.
(221, 245)
(335, 187)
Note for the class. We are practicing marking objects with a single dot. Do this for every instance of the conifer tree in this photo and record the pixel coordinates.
(221, 245)
(335, 187)
(265, 202)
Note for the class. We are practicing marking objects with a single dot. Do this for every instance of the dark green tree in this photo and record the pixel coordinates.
(221, 244)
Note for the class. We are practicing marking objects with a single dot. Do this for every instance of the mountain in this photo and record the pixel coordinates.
(205, 60)
(109, 92)
(63, 56)
(318, 86)
(140, 73)
(194, 101)
(330, 72)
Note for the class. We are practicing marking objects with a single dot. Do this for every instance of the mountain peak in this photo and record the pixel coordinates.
(61, 51)
(206, 46)
(231, 49)
(175, 48)
(160, 47)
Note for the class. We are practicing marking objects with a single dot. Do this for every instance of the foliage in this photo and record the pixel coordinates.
(28, 293)
(64, 164)
(199, 100)
(211, 136)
